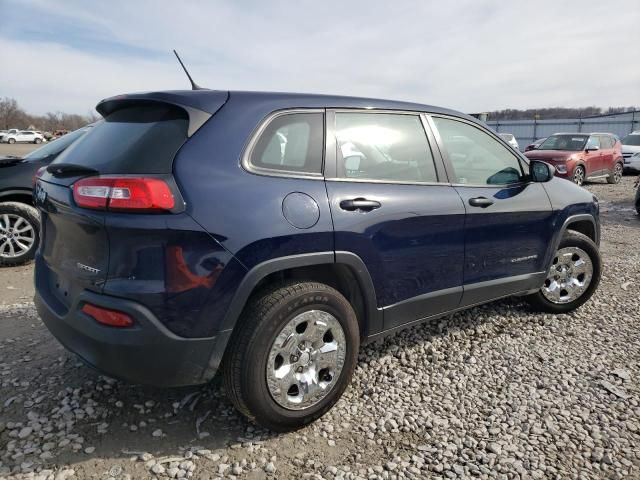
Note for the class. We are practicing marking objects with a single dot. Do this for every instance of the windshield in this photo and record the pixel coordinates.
(57, 146)
(568, 142)
(632, 139)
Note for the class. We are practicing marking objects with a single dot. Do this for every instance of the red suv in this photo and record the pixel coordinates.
(582, 156)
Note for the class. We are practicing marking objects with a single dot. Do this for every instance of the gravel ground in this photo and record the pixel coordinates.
(495, 392)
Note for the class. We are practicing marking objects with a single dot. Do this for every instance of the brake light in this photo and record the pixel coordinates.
(106, 316)
(38, 174)
(123, 194)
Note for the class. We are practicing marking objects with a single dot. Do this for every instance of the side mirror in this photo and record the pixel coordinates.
(592, 149)
(541, 171)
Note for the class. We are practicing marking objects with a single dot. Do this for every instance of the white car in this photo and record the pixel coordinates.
(4, 133)
(23, 136)
(510, 139)
(631, 151)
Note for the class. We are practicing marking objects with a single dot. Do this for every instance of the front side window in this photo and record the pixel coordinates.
(291, 142)
(593, 142)
(383, 147)
(606, 141)
(476, 157)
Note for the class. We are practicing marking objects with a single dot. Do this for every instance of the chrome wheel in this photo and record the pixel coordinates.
(17, 236)
(578, 176)
(306, 359)
(569, 276)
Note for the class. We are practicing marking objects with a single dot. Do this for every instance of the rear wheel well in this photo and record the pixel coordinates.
(338, 276)
(18, 197)
(584, 227)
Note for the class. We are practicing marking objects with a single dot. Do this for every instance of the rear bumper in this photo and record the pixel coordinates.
(147, 353)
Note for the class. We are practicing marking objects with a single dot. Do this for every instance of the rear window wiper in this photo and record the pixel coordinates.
(63, 169)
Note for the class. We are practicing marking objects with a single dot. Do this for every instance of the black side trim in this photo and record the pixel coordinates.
(424, 305)
(477, 293)
(532, 278)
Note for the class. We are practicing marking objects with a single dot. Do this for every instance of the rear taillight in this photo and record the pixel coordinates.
(38, 174)
(123, 194)
(106, 316)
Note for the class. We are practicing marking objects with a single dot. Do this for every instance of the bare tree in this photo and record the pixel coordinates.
(9, 112)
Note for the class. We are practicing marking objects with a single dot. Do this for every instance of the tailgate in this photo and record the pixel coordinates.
(74, 246)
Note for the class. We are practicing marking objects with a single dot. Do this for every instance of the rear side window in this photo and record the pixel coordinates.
(383, 147)
(291, 142)
(141, 139)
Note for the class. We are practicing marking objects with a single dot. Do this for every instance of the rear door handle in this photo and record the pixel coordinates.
(359, 204)
(481, 202)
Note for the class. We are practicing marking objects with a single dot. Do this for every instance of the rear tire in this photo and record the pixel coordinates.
(272, 348)
(19, 233)
(579, 175)
(574, 248)
(616, 175)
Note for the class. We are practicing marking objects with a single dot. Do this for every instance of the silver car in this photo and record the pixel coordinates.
(631, 152)
(510, 139)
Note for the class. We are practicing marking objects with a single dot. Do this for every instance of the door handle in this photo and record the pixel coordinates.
(359, 204)
(481, 202)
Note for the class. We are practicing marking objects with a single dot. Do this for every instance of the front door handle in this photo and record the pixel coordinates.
(481, 202)
(359, 204)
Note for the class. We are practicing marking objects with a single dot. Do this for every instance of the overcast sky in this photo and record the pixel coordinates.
(469, 55)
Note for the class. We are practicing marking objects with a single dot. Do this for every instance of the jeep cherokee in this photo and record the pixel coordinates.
(269, 234)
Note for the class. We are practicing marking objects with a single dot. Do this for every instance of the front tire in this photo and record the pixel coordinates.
(37, 141)
(579, 175)
(616, 175)
(11, 141)
(292, 355)
(19, 233)
(573, 276)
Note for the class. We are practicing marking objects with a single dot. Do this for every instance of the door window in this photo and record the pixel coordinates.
(291, 143)
(593, 142)
(383, 147)
(606, 141)
(476, 157)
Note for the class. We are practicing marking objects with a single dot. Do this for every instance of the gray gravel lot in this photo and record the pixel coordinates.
(495, 392)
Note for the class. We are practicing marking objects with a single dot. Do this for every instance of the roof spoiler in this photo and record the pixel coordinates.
(200, 105)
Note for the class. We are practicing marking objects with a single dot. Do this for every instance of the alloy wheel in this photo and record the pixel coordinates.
(578, 176)
(17, 235)
(306, 359)
(617, 173)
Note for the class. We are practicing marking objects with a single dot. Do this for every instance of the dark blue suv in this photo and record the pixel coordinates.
(269, 234)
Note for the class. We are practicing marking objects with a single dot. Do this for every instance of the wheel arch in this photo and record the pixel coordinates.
(583, 223)
(344, 271)
(17, 195)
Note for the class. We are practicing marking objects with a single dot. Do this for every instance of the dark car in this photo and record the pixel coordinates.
(19, 220)
(534, 145)
(269, 234)
(582, 156)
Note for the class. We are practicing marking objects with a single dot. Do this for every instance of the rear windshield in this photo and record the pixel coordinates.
(141, 139)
